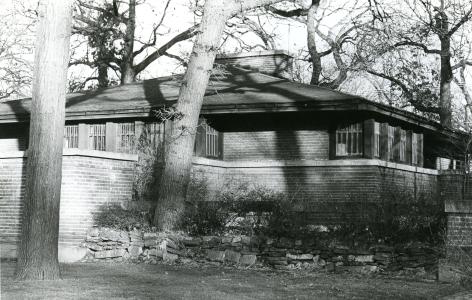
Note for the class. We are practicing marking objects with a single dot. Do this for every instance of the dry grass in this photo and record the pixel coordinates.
(127, 281)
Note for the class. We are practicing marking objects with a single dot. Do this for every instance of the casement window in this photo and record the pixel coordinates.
(372, 139)
(208, 141)
(97, 133)
(71, 136)
(376, 139)
(154, 133)
(414, 147)
(349, 140)
(125, 137)
(211, 142)
(402, 145)
(390, 142)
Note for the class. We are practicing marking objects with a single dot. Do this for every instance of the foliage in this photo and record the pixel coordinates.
(201, 217)
(257, 210)
(149, 166)
(116, 217)
(395, 223)
(461, 260)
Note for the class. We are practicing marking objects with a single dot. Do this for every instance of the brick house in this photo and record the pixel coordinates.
(328, 148)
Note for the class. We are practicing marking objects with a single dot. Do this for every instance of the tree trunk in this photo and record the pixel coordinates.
(342, 75)
(312, 50)
(178, 157)
(102, 75)
(128, 73)
(38, 247)
(445, 108)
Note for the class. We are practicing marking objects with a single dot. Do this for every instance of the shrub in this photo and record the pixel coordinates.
(398, 219)
(114, 216)
(239, 208)
(200, 216)
(249, 209)
(149, 166)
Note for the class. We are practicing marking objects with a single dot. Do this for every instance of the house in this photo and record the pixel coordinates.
(332, 151)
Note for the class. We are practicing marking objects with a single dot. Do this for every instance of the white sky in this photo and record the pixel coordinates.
(290, 36)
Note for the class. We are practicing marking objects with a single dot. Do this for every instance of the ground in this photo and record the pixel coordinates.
(142, 281)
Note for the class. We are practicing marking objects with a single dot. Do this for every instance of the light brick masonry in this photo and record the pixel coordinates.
(91, 180)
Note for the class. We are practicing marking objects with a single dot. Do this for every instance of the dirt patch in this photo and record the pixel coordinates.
(141, 281)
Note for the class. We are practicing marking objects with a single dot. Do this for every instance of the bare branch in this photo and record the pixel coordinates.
(417, 44)
(465, 18)
(154, 32)
(187, 34)
(406, 91)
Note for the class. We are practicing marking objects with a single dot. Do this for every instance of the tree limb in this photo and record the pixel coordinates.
(466, 17)
(420, 45)
(408, 94)
(190, 32)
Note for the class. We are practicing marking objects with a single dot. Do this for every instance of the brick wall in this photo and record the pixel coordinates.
(459, 229)
(12, 177)
(91, 179)
(456, 190)
(327, 191)
(276, 145)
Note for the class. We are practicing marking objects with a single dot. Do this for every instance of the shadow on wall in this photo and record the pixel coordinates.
(13, 182)
(288, 147)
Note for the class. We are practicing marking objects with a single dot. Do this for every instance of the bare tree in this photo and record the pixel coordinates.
(38, 248)
(426, 29)
(178, 157)
(333, 41)
(16, 44)
(110, 34)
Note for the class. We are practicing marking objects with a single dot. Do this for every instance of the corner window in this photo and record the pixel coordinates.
(349, 140)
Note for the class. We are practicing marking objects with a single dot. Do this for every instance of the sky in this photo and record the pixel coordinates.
(289, 36)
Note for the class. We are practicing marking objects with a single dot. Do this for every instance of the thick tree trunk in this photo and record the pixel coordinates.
(312, 50)
(445, 108)
(37, 255)
(128, 73)
(178, 157)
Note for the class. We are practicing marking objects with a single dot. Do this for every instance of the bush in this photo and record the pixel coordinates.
(394, 221)
(114, 216)
(200, 217)
(238, 209)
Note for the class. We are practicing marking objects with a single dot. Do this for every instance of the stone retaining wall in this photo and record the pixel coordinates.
(240, 250)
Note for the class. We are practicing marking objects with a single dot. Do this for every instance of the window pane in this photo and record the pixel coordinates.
(126, 137)
(211, 142)
(349, 140)
(97, 137)
(71, 136)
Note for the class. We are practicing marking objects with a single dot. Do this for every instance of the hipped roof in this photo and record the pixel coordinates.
(231, 90)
